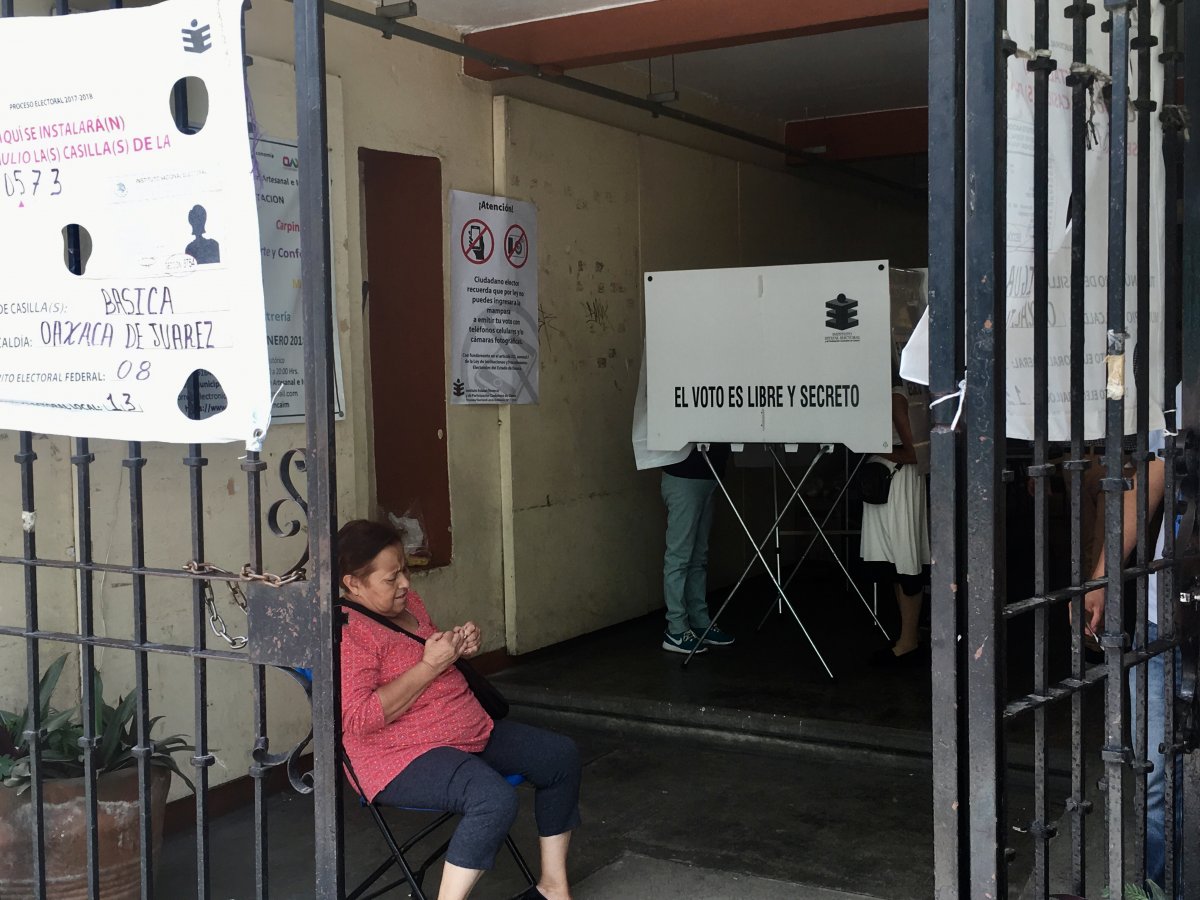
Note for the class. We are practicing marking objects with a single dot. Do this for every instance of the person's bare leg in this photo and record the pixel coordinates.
(457, 882)
(553, 884)
(910, 617)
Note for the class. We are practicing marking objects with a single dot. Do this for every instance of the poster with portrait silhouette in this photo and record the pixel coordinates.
(129, 244)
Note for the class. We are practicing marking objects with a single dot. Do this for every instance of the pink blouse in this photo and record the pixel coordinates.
(445, 714)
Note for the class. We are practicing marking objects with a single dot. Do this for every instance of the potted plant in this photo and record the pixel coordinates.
(63, 794)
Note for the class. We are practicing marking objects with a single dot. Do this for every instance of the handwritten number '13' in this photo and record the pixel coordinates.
(125, 404)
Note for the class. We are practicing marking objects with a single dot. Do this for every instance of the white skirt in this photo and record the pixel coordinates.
(898, 531)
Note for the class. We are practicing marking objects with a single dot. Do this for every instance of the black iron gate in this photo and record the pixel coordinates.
(291, 618)
(1020, 821)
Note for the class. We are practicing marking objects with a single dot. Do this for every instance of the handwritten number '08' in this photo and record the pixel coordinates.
(126, 367)
(126, 400)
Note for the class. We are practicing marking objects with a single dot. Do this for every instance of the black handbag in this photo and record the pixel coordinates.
(485, 692)
(875, 481)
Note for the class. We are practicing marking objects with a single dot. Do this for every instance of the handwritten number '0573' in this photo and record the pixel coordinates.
(28, 182)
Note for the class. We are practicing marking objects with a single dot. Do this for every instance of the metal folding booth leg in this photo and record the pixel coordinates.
(777, 604)
(758, 554)
(821, 534)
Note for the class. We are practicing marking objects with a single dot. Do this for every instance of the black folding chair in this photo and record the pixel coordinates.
(414, 877)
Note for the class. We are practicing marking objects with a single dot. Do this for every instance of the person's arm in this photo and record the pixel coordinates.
(907, 452)
(1093, 601)
(368, 706)
(442, 649)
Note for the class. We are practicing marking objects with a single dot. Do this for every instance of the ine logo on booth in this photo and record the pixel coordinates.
(841, 313)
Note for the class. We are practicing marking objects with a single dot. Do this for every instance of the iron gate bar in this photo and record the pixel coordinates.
(985, 163)
(66, 637)
(1055, 597)
(1042, 64)
(25, 458)
(1068, 687)
(1190, 378)
(82, 460)
(180, 572)
(1078, 806)
(1144, 106)
(195, 462)
(135, 463)
(320, 458)
(201, 759)
(1115, 753)
(1170, 58)
(254, 466)
(946, 363)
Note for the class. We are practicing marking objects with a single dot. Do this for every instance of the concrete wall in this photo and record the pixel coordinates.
(556, 534)
(586, 528)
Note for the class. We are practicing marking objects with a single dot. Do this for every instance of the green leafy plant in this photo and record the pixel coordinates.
(61, 754)
(1150, 892)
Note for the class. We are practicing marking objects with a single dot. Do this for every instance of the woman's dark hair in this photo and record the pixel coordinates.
(360, 541)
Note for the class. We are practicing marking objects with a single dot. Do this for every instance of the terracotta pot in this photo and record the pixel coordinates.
(66, 836)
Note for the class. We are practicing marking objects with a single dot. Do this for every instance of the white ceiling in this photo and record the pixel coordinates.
(884, 67)
(472, 15)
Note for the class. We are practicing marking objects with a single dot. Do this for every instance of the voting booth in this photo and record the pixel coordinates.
(780, 356)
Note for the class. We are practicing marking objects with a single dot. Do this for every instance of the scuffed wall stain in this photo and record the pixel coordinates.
(547, 329)
(597, 315)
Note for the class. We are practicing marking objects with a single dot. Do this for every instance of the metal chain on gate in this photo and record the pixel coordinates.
(215, 620)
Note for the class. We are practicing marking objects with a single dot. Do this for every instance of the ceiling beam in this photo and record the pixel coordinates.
(662, 27)
(873, 135)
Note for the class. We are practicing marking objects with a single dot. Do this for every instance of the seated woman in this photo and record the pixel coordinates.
(417, 737)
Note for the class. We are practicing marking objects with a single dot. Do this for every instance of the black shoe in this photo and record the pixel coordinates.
(884, 658)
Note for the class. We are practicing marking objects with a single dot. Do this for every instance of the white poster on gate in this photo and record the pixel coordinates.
(1019, 243)
(493, 300)
(1020, 254)
(278, 179)
(773, 354)
(171, 282)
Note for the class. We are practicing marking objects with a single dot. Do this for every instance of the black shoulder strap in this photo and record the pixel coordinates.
(376, 617)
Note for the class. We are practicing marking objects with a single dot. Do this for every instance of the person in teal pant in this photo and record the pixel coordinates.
(689, 491)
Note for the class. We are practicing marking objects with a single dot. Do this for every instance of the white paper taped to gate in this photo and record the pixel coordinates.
(1020, 253)
(1020, 258)
(777, 354)
(171, 280)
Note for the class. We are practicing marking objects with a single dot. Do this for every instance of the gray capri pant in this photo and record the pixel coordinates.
(473, 785)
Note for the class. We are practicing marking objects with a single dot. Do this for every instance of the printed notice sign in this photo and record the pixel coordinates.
(778, 354)
(278, 180)
(167, 281)
(493, 321)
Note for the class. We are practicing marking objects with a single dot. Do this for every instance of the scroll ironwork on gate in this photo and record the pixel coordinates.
(275, 604)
